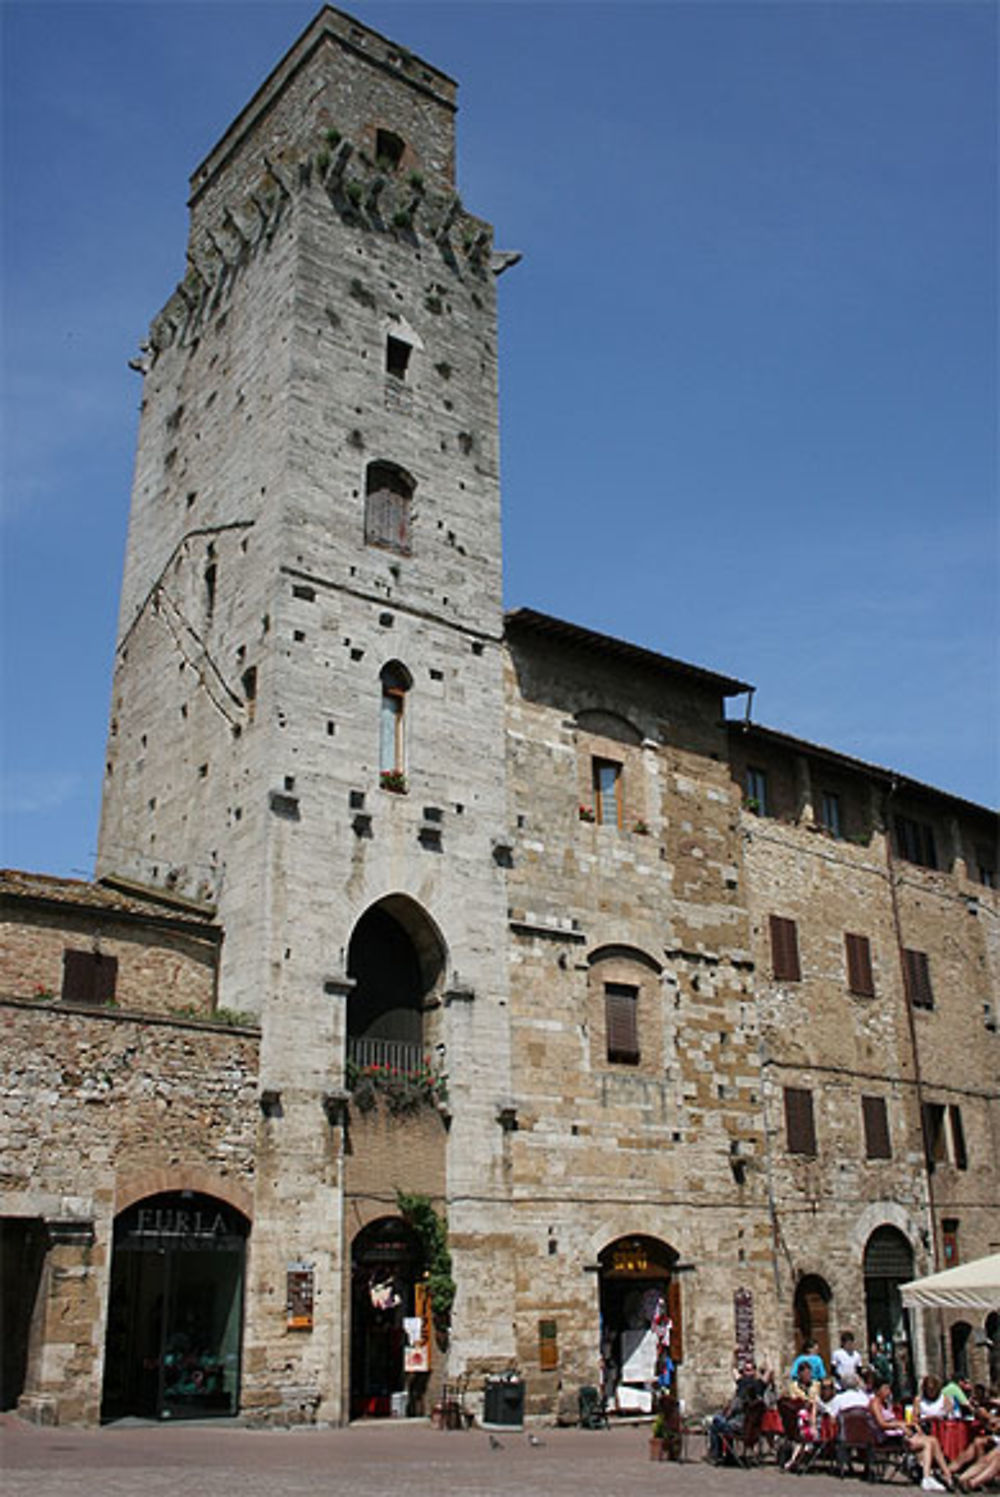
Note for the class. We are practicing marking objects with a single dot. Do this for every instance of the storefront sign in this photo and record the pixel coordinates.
(299, 1290)
(177, 1224)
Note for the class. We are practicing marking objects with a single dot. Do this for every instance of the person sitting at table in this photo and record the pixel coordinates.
(981, 1446)
(851, 1396)
(959, 1390)
(924, 1447)
(804, 1389)
(749, 1389)
(931, 1402)
(985, 1471)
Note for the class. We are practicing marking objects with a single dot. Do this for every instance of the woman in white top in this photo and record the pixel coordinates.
(932, 1403)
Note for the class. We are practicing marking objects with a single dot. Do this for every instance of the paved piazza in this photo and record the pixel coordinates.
(400, 1459)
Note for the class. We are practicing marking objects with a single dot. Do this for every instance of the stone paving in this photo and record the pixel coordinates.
(403, 1459)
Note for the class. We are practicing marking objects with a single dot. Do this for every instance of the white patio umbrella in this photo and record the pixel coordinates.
(970, 1286)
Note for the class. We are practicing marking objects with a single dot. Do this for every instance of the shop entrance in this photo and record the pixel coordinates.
(175, 1311)
(812, 1315)
(641, 1332)
(387, 1265)
(889, 1263)
(23, 1243)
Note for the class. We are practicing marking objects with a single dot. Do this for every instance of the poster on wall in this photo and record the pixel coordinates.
(743, 1317)
(417, 1352)
(299, 1294)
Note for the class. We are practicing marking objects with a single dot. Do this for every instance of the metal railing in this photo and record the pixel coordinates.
(399, 1055)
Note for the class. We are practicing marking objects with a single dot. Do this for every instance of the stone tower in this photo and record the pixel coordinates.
(307, 720)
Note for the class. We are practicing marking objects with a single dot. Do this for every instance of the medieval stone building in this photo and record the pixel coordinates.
(409, 913)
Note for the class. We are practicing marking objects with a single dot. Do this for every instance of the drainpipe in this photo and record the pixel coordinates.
(914, 1048)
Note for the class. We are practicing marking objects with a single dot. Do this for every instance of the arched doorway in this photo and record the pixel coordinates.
(888, 1262)
(641, 1332)
(397, 959)
(959, 1335)
(387, 1266)
(812, 1314)
(175, 1310)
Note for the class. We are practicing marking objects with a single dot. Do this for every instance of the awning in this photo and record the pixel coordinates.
(971, 1286)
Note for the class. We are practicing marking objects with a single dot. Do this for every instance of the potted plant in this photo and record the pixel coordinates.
(394, 780)
(586, 813)
(658, 1438)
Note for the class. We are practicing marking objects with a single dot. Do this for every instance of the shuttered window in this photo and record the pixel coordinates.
(548, 1345)
(876, 1120)
(800, 1124)
(915, 841)
(859, 965)
(917, 975)
(785, 950)
(388, 496)
(89, 977)
(606, 776)
(621, 1012)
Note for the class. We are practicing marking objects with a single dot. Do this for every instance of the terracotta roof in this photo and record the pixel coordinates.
(129, 900)
(606, 644)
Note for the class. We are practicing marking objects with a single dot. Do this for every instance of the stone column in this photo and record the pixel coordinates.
(63, 1378)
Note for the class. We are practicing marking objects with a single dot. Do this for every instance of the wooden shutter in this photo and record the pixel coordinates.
(799, 1122)
(917, 975)
(548, 1346)
(785, 950)
(935, 1147)
(89, 977)
(876, 1120)
(677, 1328)
(859, 965)
(622, 1022)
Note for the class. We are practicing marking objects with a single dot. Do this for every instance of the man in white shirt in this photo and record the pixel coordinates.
(846, 1360)
(851, 1396)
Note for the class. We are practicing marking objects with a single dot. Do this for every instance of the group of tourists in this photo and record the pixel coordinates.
(810, 1412)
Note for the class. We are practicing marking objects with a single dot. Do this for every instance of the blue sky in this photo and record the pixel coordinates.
(748, 363)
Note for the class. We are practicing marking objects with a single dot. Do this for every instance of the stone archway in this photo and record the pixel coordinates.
(888, 1262)
(387, 1266)
(175, 1308)
(812, 1314)
(641, 1325)
(396, 958)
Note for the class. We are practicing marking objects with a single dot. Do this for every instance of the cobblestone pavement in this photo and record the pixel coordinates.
(397, 1459)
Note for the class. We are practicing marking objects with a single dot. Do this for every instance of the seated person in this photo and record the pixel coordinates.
(931, 1403)
(803, 1385)
(975, 1453)
(805, 1390)
(749, 1389)
(924, 1447)
(851, 1396)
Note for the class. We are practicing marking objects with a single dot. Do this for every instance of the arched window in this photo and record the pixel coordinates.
(396, 682)
(388, 497)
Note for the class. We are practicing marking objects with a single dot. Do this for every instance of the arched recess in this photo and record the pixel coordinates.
(624, 1009)
(175, 1308)
(812, 1314)
(642, 1336)
(603, 724)
(888, 1262)
(389, 491)
(387, 1289)
(397, 958)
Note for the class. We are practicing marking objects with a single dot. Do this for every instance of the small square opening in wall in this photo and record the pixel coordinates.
(397, 357)
(299, 636)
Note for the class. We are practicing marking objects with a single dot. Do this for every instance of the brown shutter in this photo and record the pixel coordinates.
(621, 1020)
(799, 1121)
(917, 975)
(876, 1119)
(960, 1158)
(677, 1328)
(89, 977)
(785, 950)
(859, 966)
(548, 1346)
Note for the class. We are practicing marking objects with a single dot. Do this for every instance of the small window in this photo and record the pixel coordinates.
(876, 1120)
(389, 149)
(917, 975)
(859, 966)
(944, 1136)
(986, 867)
(785, 950)
(949, 1242)
(915, 841)
(800, 1124)
(621, 1011)
(388, 499)
(396, 682)
(829, 813)
(211, 577)
(89, 977)
(607, 778)
(756, 791)
(397, 357)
